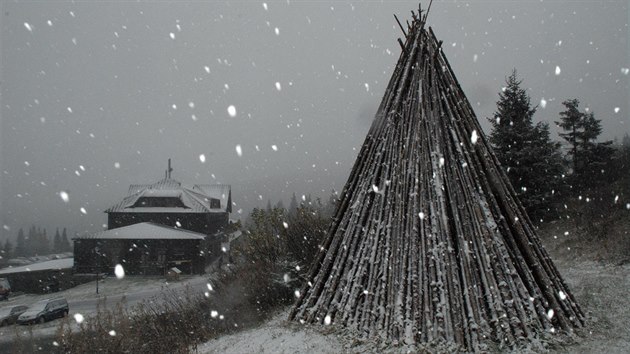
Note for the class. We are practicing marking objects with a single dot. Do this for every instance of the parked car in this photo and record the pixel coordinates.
(10, 314)
(5, 289)
(45, 310)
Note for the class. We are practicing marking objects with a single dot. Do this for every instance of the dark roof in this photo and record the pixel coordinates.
(144, 231)
(193, 200)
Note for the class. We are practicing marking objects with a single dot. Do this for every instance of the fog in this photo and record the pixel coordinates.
(98, 95)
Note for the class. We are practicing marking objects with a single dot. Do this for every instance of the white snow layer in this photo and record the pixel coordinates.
(275, 336)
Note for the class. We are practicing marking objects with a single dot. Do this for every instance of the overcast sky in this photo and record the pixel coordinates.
(98, 95)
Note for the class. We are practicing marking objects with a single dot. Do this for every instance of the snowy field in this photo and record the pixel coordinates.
(602, 291)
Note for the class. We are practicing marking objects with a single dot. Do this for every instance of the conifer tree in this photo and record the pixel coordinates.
(588, 156)
(57, 246)
(44, 243)
(20, 247)
(66, 246)
(530, 158)
(571, 122)
(7, 249)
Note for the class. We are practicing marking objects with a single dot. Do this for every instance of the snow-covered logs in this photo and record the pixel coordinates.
(429, 244)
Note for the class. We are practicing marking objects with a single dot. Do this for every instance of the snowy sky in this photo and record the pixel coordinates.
(98, 95)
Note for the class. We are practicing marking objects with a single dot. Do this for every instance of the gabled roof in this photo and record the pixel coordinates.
(193, 200)
(144, 231)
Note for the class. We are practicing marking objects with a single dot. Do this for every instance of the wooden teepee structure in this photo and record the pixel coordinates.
(429, 244)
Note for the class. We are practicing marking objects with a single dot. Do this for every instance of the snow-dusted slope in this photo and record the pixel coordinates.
(275, 336)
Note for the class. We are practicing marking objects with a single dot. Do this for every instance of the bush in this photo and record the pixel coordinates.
(175, 323)
(278, 251)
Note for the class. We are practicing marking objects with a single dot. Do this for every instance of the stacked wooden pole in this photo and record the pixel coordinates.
(429, 244)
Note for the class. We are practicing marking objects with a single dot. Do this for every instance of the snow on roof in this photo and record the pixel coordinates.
(222, 192)
(194, 200)
(145, 231)
(63, 263)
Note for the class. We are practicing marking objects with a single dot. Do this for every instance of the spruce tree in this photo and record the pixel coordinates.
(44, 243)
(65, 243)
(571, 122)
(588, 156)
(20, 246)
(530, 158)
(7, 249)
(57, 247)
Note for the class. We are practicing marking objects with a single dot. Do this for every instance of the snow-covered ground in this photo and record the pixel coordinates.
(602, 290)
(275, 336)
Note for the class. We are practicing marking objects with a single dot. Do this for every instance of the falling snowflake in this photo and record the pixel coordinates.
(172, 35)
(558, 71)
(550, 314)
(543, 103)
(28, 26)
(116, 164)
(231, 111)
(367, 87)
(119, 271)
(277, 30)
(210, 287)
(83, 211)
(284, 223)
(327, 320)
(78, 317)
(562, 295)
(207, 69)
(442, 161)
(265, 6)
(296, 293)
(617, 109)
(112, 333)
(625, 71)
(286, 278)
(421, 215)
(278, 86)
(64, 196)
(474, 137)
(239, 150)
(202, 158)
(214, 314)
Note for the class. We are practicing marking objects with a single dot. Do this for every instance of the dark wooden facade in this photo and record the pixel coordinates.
(138, 256)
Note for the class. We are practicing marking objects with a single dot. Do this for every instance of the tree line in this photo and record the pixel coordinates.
(539, 171)
(36, 242)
